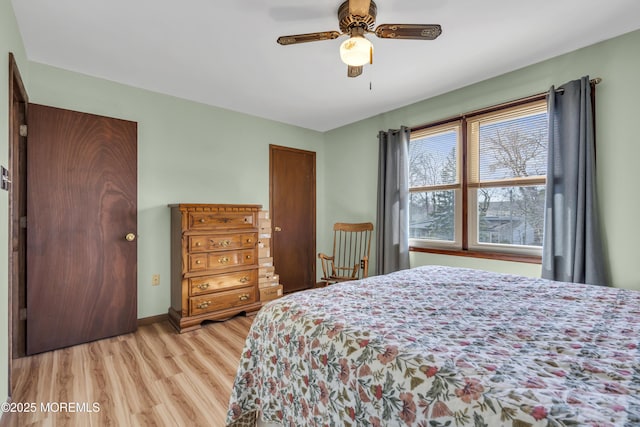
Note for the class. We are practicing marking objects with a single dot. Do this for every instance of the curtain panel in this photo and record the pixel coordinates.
(572, 246)
(392, 238)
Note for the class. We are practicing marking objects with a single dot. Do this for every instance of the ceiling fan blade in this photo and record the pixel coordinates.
(359, 7)
(310, 37)
(354, 71)
(409, 31)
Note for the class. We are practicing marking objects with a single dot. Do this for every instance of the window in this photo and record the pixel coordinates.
(477, 182)
(435, 182)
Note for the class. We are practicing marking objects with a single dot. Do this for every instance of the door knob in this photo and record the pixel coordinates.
(130, 237)
(278, 229)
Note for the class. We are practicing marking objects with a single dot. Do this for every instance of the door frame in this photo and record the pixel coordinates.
(18, 104)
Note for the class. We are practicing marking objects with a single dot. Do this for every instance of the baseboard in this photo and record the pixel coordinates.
(153, 319)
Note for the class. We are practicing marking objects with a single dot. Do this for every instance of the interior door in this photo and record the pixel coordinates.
(81, 228)
(293, 216)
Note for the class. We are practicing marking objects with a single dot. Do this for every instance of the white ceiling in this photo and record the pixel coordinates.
(224, 52)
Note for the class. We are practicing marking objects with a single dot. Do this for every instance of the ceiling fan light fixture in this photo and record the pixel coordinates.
(356, 51)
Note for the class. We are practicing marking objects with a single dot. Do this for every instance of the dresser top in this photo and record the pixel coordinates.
(208, 207)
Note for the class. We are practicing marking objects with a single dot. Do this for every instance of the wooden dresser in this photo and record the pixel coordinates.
(214, 263)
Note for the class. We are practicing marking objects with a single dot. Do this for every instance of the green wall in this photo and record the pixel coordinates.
(616, 61)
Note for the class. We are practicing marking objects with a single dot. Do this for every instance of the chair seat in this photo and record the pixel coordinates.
(338, 278)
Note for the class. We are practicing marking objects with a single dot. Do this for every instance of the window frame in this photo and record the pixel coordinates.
(465, 225)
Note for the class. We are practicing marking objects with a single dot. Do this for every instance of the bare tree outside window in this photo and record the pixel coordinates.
(433, 163)
(512, 149)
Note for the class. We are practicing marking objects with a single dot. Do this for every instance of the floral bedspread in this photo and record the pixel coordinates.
(438, 346)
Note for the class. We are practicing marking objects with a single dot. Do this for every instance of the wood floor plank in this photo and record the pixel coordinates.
(136, 374)
(202, 375)
(157, 416)
(153, 377)
(185, 405)
(120, 393)
(151, 359)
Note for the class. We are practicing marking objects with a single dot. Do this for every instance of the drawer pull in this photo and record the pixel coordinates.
(244, 279)
(198, 244)
(203, 305)
(198, 261)
(249, 240)
(203, 286)
(248, 257)
(223, 260)
(244, 297)
(202, 220)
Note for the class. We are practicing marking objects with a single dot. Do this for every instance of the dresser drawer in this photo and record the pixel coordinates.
(220, 220)
(222, 300)
(213, 261)
(208, 284)
(222, 242)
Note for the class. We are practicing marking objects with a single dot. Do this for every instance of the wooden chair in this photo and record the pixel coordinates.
(350, 258)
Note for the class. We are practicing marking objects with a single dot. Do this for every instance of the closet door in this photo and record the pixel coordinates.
(292, 204)
(81, 228)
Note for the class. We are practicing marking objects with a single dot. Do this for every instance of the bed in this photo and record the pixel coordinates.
(439, 346)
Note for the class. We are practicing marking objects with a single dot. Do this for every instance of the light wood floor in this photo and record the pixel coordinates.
(153, 377)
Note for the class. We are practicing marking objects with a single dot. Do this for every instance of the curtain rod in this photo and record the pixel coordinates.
(540, 95)
(530, 98)
(593, 82)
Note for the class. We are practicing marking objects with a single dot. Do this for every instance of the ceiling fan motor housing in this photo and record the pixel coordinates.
(348, 21)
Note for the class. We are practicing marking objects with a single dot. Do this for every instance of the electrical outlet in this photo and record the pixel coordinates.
(155, 280)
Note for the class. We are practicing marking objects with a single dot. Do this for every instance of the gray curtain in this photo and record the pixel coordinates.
(392, 222)
(572, 247)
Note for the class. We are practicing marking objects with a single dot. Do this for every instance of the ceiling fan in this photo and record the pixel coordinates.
(356, 18)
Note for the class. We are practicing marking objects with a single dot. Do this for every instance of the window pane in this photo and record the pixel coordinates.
(432, 160)
(513, 148)
(511, 215)
(431, 215)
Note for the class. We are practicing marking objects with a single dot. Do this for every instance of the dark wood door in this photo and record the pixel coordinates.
(293, 216)
(81, 204)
